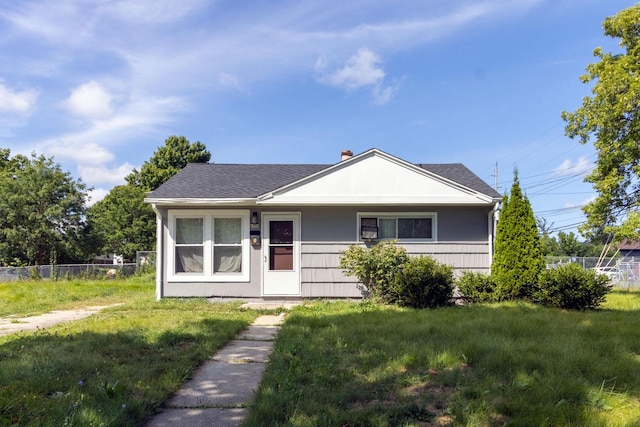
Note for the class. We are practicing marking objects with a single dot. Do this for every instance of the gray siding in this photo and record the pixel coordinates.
(455, 224)
(326, 232)
(321, 276)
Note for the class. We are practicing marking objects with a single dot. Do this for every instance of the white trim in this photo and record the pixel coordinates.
(195, 202)
(297, 238)
(432, 215)
(208, 217)
(492, 219)
(159, 253)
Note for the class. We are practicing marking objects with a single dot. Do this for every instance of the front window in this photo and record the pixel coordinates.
(414, 228)
(189, 245)
(227, 245)
(402, 226)
(209, 245)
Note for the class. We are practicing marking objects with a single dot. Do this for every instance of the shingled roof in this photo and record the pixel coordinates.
(244, 181)
(457, 172)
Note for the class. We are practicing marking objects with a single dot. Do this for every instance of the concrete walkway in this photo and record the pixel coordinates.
(11, 324)
(222, 387)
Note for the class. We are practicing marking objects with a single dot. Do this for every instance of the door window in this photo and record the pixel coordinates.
(280, 245)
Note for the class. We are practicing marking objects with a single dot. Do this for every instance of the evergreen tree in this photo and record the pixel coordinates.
(518, 256)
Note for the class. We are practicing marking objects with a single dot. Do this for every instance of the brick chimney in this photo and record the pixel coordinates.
(346, 154)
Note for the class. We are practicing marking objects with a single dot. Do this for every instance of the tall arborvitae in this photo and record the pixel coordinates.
(518, 257)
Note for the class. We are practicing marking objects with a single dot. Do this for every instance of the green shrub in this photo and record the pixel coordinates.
(423, 283)
(374, 267)
(477, 287)
(571, 286)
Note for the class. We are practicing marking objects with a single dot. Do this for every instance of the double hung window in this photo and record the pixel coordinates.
(227, 245)
(401, 226)
(209, 245)
(189, 247)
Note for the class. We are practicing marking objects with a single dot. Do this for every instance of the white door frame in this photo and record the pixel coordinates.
(281, 283)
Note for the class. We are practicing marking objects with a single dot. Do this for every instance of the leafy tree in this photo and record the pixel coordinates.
(517, 258)
(611, 117)
(168, 160)
(568, 244)
(42, 211)
(124, 222)
(548, 243)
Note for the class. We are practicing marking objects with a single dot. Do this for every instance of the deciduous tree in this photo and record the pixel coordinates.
(125, 223)
(611, 119)
(42, 211)
(167, 161)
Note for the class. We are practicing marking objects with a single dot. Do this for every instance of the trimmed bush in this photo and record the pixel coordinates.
(477, 287)
(423, 283)
(572, 287)
(374, 267)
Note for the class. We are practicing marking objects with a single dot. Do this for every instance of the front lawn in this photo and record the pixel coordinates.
(114, 368)
(29, 297)
(340, 364)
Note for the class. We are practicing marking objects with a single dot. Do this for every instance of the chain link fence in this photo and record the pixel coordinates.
(145, 263)
(623, 272)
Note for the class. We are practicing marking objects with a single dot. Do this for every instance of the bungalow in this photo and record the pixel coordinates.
(277, 230)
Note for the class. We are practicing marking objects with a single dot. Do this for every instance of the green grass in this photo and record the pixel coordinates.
(114, 368)
(483, 365)
(28, 297)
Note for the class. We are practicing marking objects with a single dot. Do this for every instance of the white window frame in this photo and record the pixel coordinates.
(396, 215)
(208, 274)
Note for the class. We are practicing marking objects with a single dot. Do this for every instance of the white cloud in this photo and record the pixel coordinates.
(153, 54)
(381, 95)
(85, 153)
(20, 102)
(363, 69)
(90, 100)
(568, 167)
(141, 117)
(102, 174)
(153, 11)
(231, 81)
(95, 195)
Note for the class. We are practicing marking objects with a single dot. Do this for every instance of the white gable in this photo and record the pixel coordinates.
(375, 178)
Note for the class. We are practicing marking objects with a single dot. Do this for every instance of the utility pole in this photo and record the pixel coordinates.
(495, 177)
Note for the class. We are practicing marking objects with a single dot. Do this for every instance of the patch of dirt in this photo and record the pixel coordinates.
(11, 324)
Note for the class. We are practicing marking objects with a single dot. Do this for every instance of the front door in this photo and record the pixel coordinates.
(281, 254)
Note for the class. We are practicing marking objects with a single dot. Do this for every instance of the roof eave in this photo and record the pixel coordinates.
(171, 201)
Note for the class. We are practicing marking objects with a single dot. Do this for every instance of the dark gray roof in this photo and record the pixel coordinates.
(221, 181)
(457, 172)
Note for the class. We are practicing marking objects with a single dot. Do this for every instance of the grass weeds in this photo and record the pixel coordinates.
(114, 368)
(31, 297)
(480, 365)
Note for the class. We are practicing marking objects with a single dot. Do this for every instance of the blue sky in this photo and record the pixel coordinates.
(100, 84)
